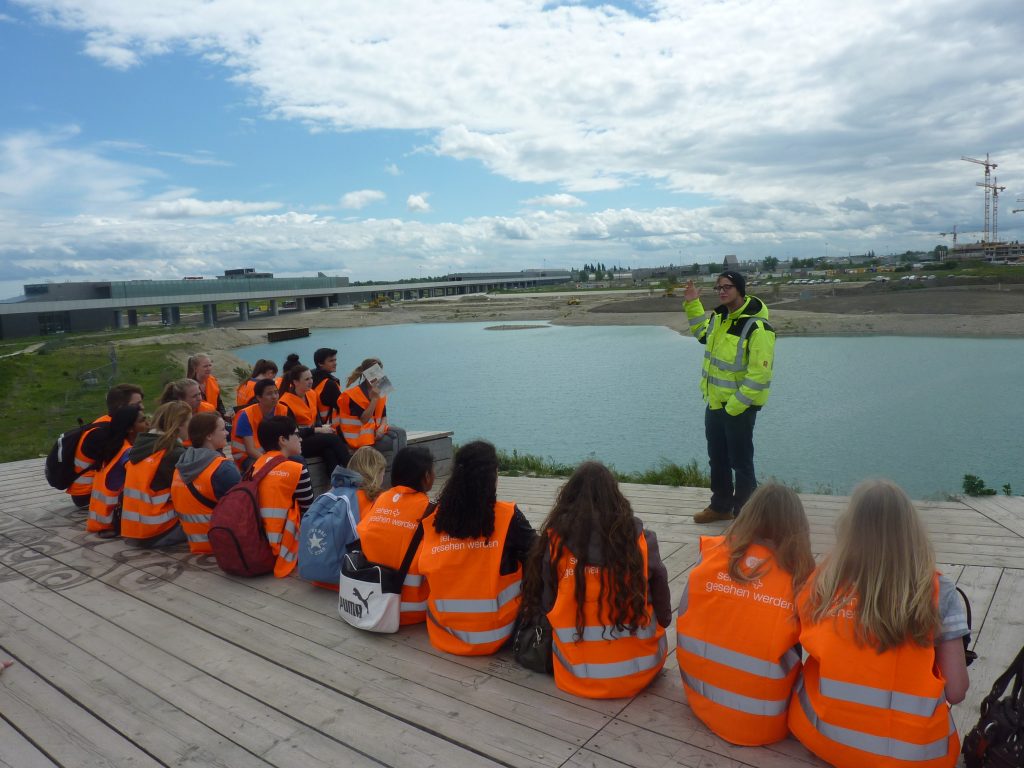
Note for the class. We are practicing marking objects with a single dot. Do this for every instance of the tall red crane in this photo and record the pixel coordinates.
(989, 165)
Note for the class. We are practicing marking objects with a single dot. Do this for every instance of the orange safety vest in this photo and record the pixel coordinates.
(82, 485)
(211, 391)
(738, 682)
(605, 663)
(246, 391)
(853, 706)
(472, 607)
(145, 513)
(356, 433)
(103, 499)
(303, 409)
(385, 529)
(193, 513)
(280, 511)
(255, 419)
(326, 415)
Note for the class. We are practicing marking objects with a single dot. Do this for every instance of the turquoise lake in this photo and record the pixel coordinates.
(922, 411)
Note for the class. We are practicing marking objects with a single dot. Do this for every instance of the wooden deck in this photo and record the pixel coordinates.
(136, 658)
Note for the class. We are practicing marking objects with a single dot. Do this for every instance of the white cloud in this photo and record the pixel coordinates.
(418, 203)
(187, 207)
(556, 201)
(361, 198)
(392, 170)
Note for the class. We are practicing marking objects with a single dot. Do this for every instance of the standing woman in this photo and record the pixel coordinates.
(597, 574)
(127, 423)
(737, 631)
(472, 555)
(882, 633)
(245, 394)
(245, 447)
(147, 515)
(202, 475)
(363, 414)
(317, 439)
(200, 368)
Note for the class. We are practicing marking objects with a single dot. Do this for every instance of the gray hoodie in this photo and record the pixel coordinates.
(194, 460)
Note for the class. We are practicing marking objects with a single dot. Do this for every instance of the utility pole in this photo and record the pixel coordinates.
(989, 165)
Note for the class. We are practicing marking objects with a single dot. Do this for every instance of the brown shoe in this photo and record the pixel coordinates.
(710, 515)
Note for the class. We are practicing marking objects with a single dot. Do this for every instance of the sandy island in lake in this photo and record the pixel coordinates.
(821, 310)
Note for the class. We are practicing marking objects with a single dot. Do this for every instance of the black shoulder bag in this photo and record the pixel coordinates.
(997, 741)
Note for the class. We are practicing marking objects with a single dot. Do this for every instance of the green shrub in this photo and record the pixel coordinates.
(975, 486)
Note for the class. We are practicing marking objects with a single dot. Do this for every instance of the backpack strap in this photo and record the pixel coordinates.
(265, 470)
(202, 498)
(417, 537)
(969, 655)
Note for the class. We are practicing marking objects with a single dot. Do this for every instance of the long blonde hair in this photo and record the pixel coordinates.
(882, 568)
(370, 464)
(168, 420)
(773, 516)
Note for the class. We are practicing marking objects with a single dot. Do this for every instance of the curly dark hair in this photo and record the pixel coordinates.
(465, 509)
(590, 509)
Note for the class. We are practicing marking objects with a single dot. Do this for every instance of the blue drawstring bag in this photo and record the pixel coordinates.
(328, 528)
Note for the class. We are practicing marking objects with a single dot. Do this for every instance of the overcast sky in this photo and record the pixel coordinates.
(157, 139)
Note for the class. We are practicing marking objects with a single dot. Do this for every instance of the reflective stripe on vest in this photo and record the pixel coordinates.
(136, 517)
(741, 661)
(147, 498)
(737, 364)
(412, 607)
(736, 701)
(922, 706)
(876, 745)
(509, 593)
(483, 637)
(614, 669)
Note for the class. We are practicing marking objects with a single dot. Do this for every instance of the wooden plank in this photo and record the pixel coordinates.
(1000, 638)
(671, 718)
(1008, 511)
(18, 752)
(979, 584)
(635, 746)
(383, 691)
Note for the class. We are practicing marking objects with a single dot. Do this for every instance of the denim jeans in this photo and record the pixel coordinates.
(730, 450)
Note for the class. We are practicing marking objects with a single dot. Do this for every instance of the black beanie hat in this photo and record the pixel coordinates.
(736, 279)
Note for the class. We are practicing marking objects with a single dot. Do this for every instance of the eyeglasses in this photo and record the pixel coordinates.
(724, 287)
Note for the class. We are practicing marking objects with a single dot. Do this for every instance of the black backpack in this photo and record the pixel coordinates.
(997, 741)
(60, 461)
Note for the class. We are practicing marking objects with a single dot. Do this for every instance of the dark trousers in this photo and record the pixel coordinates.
(329, 447)
(730, 450)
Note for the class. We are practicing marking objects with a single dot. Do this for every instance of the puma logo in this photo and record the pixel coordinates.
(364, 600)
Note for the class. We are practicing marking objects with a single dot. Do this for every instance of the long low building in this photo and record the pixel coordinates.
(73, 307)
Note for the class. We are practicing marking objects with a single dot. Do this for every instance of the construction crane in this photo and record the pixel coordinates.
(1018, 210)
(994, 189)
(947, 234)
(989, 165)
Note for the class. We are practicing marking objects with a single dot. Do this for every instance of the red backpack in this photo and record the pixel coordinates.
(237, 535)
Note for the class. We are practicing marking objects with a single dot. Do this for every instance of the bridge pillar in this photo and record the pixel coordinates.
(300, 303)
(243, 310)
(209, 314)
(166, 315)
(272, 307)
(118, 318)
(133, 318)
(175, 315)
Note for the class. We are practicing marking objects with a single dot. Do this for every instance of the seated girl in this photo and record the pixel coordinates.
(386, 529)
(127, 423)
(202, 475)
(472, 555)
(245, 447)
(882, 633)
(597, 574)
(147, 515)
(285, 493)
(318, 439)
(369, 464)
(736, 635)
(261, 369)
(363, 414)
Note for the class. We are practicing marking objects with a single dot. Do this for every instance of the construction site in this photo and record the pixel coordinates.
(989, 247)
